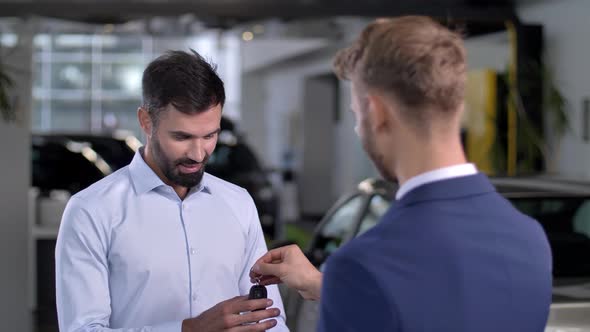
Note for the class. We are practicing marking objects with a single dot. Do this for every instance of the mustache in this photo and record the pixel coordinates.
(189, 162)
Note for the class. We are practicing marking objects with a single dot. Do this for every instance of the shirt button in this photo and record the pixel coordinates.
(194, 297)
(193, 251)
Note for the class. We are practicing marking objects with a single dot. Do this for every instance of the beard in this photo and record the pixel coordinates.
(170, 167)
(370, 146)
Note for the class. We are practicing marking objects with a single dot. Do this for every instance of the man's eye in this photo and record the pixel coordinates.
(211, 136)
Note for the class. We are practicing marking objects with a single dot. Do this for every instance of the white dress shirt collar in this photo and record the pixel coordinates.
(145, 179)
(435, 175)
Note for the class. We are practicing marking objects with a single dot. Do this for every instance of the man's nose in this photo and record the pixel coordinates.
(197, 152)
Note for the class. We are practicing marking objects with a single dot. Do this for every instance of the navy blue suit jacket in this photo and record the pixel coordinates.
(452, 255)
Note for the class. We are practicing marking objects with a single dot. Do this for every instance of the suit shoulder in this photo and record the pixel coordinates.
(358, 251)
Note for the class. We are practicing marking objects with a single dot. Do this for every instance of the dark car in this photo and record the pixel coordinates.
(63, 164)
(73, 161)
(235, 162)
(562, 208)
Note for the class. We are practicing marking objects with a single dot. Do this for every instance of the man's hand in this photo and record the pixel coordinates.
(227, 316)
(290, 266)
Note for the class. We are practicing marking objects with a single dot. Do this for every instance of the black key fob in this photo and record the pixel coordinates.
(257, 292)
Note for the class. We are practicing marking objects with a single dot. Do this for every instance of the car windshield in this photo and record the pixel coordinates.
(54, 166)
(566, 221)
(114, 151)
(227, 160)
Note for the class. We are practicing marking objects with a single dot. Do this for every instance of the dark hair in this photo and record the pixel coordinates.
(185, 80)
(416, 58)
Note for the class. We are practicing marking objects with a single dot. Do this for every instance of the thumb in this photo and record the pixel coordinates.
(267, 269)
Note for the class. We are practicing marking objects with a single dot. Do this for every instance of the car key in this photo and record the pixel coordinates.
(257, 291)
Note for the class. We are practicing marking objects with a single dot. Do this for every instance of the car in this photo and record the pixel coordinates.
(234, 161)
(59, 163)
(561, 207)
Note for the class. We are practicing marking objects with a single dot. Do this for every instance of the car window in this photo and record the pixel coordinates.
(376, 209)
(337, 228)
(227, 160)
(56, 167)
(115, 152)
(566, 220)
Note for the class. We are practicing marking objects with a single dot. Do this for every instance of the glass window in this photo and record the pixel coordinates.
(229, 160)
(41, 42)
(122, 44)
(37, 75)
(104, 68)
(121, 114)
(114, 151)
(54, 166)
(377, 208)
(124, 77)
(566, 220)
(338, 227)
(73, 115)
(72, 44)
(71, 75)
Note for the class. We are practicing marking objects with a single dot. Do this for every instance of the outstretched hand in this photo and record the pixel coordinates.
(288, 265)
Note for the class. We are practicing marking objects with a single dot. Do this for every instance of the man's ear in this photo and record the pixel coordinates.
(145, 121)
(378, 109)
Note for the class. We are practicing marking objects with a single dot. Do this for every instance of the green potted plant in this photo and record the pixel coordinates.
(533, 142)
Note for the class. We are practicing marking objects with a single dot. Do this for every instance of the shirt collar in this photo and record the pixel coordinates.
(145, 179)
(435, 175)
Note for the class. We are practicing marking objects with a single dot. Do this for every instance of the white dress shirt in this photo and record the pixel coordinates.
(132, 256)
(435, 175)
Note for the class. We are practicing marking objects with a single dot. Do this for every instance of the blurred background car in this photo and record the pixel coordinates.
(561, 207)
(73, 161)
(234, 161)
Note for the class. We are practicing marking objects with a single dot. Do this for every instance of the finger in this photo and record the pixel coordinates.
(240, 298)
(266, 280)
(258, 327)
(250, 305)
(256, 316)
(272, 262)
(235, 304)
(276, 255)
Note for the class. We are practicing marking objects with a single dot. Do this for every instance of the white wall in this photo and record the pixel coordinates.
(273, 103)
(567, 52)
(260, 53)
(490, 51)
(14, 183)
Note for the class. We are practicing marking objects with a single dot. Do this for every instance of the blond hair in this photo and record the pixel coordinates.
(414, 58)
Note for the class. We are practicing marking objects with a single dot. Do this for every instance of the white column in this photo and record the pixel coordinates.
(15, 160)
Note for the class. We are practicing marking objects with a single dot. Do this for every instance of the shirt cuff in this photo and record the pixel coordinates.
(168, 327)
